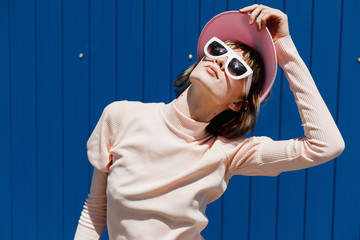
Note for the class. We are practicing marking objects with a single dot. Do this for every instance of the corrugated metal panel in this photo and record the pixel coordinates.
(48, 53)
(76, 110)
(5, 124)
(346, 207)
(51, 98)
(23, 120)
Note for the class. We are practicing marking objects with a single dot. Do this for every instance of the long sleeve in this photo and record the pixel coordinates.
(322, 141)
(99, 145)
(93, 217)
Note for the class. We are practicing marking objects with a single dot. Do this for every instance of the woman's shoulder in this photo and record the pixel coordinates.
(130, 109)
(121, 105)
(232, 146)
(244, 140)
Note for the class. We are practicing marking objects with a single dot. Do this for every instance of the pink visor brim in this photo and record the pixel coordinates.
(234, 26)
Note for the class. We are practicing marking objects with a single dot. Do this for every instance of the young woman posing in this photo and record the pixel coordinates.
(157, 166)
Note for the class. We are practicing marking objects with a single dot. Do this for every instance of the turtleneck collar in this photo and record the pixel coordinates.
(183, 125)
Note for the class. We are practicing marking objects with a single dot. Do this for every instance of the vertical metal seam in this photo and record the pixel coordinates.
(199, 25)
(337, 116)
(221, 217)
(249, 210)
(144, 52)
(171, 47)
(277, 208)
(310, 69)
(36, 126)
(62, 115)
(10, 124)
(89, 84)
(116, 48)
(279, 137)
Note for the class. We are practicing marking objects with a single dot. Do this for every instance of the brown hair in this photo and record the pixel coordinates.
(228, 123)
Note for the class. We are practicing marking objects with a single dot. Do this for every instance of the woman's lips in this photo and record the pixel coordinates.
(211, 71)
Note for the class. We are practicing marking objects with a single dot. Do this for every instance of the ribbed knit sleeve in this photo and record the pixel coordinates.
(322, 141)
(93, 217)
(103, 137)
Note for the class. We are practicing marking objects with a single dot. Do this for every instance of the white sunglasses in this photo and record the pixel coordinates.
(235, 66)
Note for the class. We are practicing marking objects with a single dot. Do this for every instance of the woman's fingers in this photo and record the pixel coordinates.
(254, 11)
(249, 8)
(262, 19)
(275, 20)
(254, 15)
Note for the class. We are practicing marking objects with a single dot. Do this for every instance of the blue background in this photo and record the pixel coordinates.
(51, 99)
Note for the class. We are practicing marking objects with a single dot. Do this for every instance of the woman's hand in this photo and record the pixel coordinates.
(275, 20)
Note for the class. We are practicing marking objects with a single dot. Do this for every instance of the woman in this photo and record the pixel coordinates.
(158, 165)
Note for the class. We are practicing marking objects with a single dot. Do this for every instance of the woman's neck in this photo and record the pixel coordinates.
(197, 107)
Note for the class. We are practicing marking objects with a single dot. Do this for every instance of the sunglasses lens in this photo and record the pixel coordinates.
(216, 49)
(236, 68)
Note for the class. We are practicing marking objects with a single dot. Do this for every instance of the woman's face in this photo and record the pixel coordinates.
(209, 76)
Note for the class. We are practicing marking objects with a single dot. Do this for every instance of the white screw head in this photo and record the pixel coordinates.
(190, 56)
(358, 59)
(81, 55)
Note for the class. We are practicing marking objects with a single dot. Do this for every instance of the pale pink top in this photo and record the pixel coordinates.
(156, 169)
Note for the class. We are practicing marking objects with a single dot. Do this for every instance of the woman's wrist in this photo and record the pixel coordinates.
(285, 50)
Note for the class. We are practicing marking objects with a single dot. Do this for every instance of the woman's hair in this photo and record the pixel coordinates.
(229, 123)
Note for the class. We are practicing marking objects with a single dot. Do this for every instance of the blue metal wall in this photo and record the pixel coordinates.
(51, 99)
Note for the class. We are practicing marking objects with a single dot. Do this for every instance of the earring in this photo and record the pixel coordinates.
(244, 105)
(241, 106)
(238, 106)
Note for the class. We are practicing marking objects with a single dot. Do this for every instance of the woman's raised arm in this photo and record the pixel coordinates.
(322, 141)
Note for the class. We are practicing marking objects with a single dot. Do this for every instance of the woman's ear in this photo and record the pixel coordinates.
(235, 106)
(239, 106)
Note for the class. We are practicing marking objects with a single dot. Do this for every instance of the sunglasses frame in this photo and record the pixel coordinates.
(231, 54)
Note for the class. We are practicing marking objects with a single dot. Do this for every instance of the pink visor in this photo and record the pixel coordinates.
(234, 26)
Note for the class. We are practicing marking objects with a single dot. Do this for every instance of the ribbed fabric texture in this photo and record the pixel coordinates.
(186, 127)
(156, 169)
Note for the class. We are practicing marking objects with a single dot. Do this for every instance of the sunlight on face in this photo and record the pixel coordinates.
(210, 79)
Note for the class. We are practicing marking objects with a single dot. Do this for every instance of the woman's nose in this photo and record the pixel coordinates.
(221, 62)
